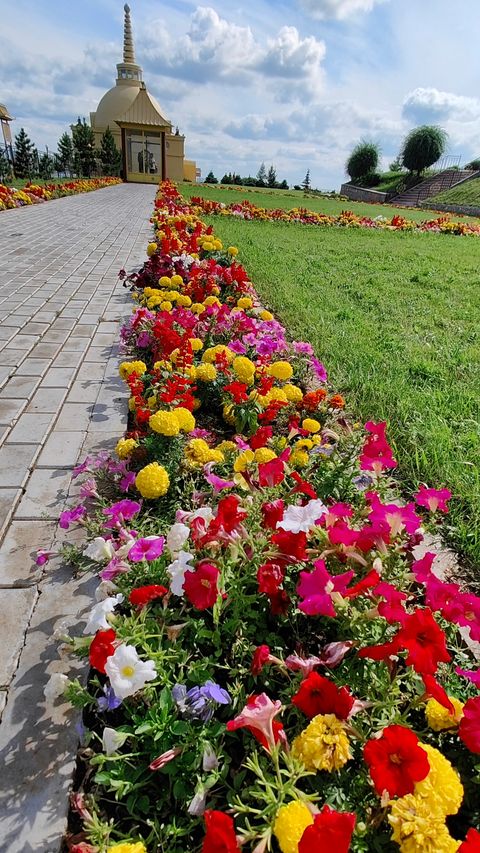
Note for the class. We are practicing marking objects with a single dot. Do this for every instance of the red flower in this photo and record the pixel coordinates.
(471, 843)
(279, 603)
(469, 729)
(101, 648)
(319, 695)
(238, 390)
(396, 761)
(220, 836)
(271, 473)
(260, 658)
(270, 576)
(331, 830)
(260, 438)
(258, 716)
(370, 580)
(290, 544)
(201, 586)
(434, 690)
(424, 640)
(272, 512)
(228, 516)
(143, 594)
(302, 486)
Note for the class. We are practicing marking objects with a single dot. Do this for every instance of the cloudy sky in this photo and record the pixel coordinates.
(295, 83)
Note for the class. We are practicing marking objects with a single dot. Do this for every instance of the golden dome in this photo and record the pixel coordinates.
(114, 104)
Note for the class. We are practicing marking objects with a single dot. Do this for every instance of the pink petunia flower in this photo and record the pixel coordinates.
(149, 548)
(258, 716)
(433, 499)
(317, 589)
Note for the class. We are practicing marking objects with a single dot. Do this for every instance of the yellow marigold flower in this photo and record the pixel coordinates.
(243, 460)
(277, 394)
(177, 280)
(162, 365)
(165, 423)
(185, 419)
(266, 315)
(218, 245)
(196, 344)
(418, 829)
(298, 459)
(233, 251)
(323, 745)
(229, 414)
(151, 249)
(198, 453)
(244, 369)
(152, 481)
(439, 718)
(304, 444)
(148, 291)
(131, 404)
(311, 425)
(290, 824)
(211, 353)
(165, 281)
(152, 401)
(125, 446)
(183, 301)
(128, 367)
(208, 247)
(211, 300)
(127, 847)
(317, 439)
(264, 454)
(282, 370)
(244, 302)
(197, 308)
(166, 306)
(206, 372)
(227, 446)
(441, 788)
(293, 393)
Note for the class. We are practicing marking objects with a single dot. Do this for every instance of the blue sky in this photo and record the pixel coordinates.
(295, 83)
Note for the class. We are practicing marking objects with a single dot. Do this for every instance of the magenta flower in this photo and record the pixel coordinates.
(149, 548)
(43, 557)
(392, 608)
(115, 567)
(319, 369)
(70, 516)
(82, 467)
(121, 511)
(88, 489)
(127, 481)
(217, 483)
(333, 653)
(433, 499)
(422, 569)
(473, 675)
(377, 453)
(398, 518)
(318, 587)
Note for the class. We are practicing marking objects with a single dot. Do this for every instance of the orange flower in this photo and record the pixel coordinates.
(336, 402)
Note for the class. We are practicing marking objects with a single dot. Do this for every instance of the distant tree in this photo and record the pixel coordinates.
(110, 156)
(236, 179)
(396, 165)
(283, 185)
(65, 154)
(272, 177)
(84, 147)
(297, 187)
(23, 154)
(422, 147)
(249, 182)
(262, 176)
(474, 164)
(5, 167)
(363, 160)
(306, 182)
(211, 179)
(46, 166)
(227, 179)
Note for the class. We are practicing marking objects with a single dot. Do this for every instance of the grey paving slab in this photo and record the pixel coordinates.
(61, 449)
(9, 498)
(17, 605)
(47, 399)
(18, 552)
(19, 387)
(11, 409)
(15, 463)
(31, 428)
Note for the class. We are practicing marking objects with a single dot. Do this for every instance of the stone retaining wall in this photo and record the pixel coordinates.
(463, 209)
(363, 194)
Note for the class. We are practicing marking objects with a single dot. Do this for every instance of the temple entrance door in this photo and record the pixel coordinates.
(144, 156)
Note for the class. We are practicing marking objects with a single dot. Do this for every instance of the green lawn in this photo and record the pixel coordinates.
(467, 193)
(396, 319)
(294, 198)
(19, 183)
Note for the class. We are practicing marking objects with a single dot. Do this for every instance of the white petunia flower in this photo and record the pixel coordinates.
(112, 740)
(101, 550)
(97, 621)
(177, 570)
(177, 536)
(55, 686)
(124, 549)
(302, 518)
(127, 673)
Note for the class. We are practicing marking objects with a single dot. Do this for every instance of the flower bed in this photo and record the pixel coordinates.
(346, 219)
(273, 666)
(11, 197)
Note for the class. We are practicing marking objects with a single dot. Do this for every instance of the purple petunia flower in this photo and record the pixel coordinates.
(199, 703)
(319, 369)
(149, 548)
(121, 511)
(70, 516)
(109, 701)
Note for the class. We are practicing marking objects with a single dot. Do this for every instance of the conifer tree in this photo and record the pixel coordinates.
(262, 176)
(65, 154)
(46, 166)
(306, 181)
(272, 177)
(23, 154)
(109, 154)
(211, 179)
(84, 147)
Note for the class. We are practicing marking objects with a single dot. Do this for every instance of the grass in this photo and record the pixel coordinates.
(20, 183)
(467, 193)
(296, 198)
(395, 317)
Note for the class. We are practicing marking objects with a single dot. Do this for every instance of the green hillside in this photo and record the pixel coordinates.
(466, 193)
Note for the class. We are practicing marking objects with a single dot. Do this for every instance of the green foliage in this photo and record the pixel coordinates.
(363, 160)
(262, 176)
(84, 148)
(65, 154)
(422, 147)
(110, 156)
(467, 193)
(271, 177)
(211, 179)
(46, 166)
(474, 164)
(23, 155)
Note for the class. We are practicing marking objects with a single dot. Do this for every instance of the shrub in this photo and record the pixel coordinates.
(422, 147)
(363, 160)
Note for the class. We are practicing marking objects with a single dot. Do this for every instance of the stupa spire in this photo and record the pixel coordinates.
(128, 47)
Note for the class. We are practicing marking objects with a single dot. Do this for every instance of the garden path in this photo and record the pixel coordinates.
(60, 310)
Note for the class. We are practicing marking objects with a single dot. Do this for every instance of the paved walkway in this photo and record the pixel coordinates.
(60, 396)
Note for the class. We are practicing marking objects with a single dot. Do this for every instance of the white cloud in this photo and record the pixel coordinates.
(338, 9)
(430, 104)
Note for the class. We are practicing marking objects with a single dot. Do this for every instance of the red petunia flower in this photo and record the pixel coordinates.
(220, 833)
(101, 647)
(370, 580)
(330, 830)
(142, 595)
(260, 438)
(270, 577)
(273, 512)
(292, 545)
(201, 585)
(471, 843)
(396, 761)
(319, 695)
(302, 487)
(469, 729)
(261, 656)
(435, 690)
(424, 640)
